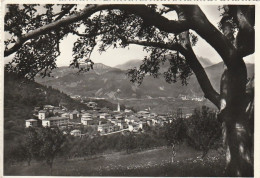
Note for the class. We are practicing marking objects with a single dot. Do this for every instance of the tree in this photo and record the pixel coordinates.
(176, 131)
(204, 130)
(51, 142)
(31, 145)
(35, 41)
(43, 144)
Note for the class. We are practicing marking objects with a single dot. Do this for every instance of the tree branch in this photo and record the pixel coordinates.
(86, 12)
(186, 50)
(245, 38)
(205, 84)
(87, 35)
(64, 12)
(147, 14)
(214, 37)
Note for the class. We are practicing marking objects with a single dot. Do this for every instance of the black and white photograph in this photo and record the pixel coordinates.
(128, 89)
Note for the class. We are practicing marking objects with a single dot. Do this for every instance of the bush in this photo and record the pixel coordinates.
(204, 130)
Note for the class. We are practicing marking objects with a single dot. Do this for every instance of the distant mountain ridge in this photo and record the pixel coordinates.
(129, 64)
(104, 81)
(205, 62)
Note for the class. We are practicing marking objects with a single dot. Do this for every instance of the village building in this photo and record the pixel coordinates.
(128, 111)
(131, 119)
(58, 111)
(118, 107)
(87, 121)
(122, 125)
(141, 124)
(104, 115)
(75, 97)
(149, 122)
(65, 115)
(188, 115)
(155, 121)
(36, 109)
(113, 121)
(74, 115)
(119, 117)
(54, 121)
(31, 123)
(107, 128)
(144, 114)
(49, 108)
(103, 128)
(42, 114)
(133, 127)
(75, 133)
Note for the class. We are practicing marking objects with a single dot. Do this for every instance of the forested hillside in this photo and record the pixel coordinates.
(20, 98)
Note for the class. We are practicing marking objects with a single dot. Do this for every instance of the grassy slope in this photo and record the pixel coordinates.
(155, 162)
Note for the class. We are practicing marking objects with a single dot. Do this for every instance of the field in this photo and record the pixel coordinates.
(155, 162)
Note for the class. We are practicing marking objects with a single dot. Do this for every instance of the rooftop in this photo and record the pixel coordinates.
(87, 119)
(31, 120)
(143, 112)
(55, 118)
(73, 131)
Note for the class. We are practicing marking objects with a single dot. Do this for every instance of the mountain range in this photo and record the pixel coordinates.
(104, 81)
(137, 62)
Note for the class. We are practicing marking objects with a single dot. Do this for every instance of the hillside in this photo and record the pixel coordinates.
(147, 163)
(20, 98)
(130, 64)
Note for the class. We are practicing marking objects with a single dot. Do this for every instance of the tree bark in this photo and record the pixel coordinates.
(236, 131)
(238, 145)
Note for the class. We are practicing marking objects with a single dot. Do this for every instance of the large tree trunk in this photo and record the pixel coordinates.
(238, 135)
(238, 143)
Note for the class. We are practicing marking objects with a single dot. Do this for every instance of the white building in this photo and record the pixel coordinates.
(144, 114)
(42, 114)
(122, 125)
(87, 121)
(65, 115)
(48, 107)
(133, 127)
(118, 107)
(76, 133)
(104, 115)
(103, 128)
(31, 123)
(54, 121)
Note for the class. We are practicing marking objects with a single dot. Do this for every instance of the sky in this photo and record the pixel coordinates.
(113, 57)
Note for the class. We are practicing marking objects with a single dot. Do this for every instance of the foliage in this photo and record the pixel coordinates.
(44, 144)
(87, 146)
(34, 37)
(20, 91)
(21, 96)
(51, 142)
(204, 130)
(39, 54)
(176, 131)
(201, 131)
